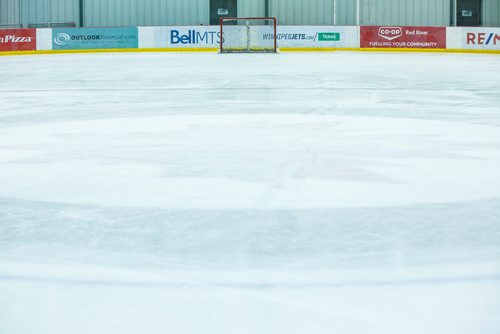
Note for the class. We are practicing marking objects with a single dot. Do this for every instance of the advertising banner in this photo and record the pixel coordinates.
(17, 39)
(94, 38)
(193, 37)
(287, 36)
(316, 37)
(403, 37)
(480, 38)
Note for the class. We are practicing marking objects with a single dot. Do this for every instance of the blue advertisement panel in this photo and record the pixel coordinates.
(94, 38)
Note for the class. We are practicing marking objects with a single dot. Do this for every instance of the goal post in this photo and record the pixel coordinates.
(248, 35)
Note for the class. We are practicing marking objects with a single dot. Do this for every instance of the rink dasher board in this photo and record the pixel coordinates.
(291, 38)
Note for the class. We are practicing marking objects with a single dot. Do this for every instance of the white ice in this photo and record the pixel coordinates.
(289, 193)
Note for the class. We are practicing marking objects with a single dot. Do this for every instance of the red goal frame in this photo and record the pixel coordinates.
(273, 19)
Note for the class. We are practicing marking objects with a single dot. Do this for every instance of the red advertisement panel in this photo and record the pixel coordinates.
(17, 39)
(403, 37)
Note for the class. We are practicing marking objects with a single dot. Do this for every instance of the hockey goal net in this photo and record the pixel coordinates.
(248, 34)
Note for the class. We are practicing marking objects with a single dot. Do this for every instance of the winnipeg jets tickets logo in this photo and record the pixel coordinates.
(62, 39)
(390, 33)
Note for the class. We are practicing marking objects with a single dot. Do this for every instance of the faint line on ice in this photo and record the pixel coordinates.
(251, 286)
(141, 89)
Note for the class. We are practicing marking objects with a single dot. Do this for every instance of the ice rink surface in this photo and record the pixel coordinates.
(289, 193)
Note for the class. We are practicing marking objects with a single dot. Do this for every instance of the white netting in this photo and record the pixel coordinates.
(248, 35)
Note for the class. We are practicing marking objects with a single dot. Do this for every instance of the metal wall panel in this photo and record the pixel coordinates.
(345, 12)
(64, 11)
(405, 12)
(38, 11)
(35, 11)
(251, 8)
(9, 12)
(297, 12)
(107, 13)
(491, 13)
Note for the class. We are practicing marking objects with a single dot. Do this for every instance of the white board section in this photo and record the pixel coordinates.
(44, 39)
(152, 37)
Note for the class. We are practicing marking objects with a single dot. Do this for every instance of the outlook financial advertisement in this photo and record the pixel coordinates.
(94, 38)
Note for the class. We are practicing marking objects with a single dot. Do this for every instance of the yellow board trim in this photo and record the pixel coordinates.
(387, 50)
(37, 52)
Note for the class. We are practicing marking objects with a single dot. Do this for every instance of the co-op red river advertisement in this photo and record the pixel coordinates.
(17, 39)
(403, 37)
